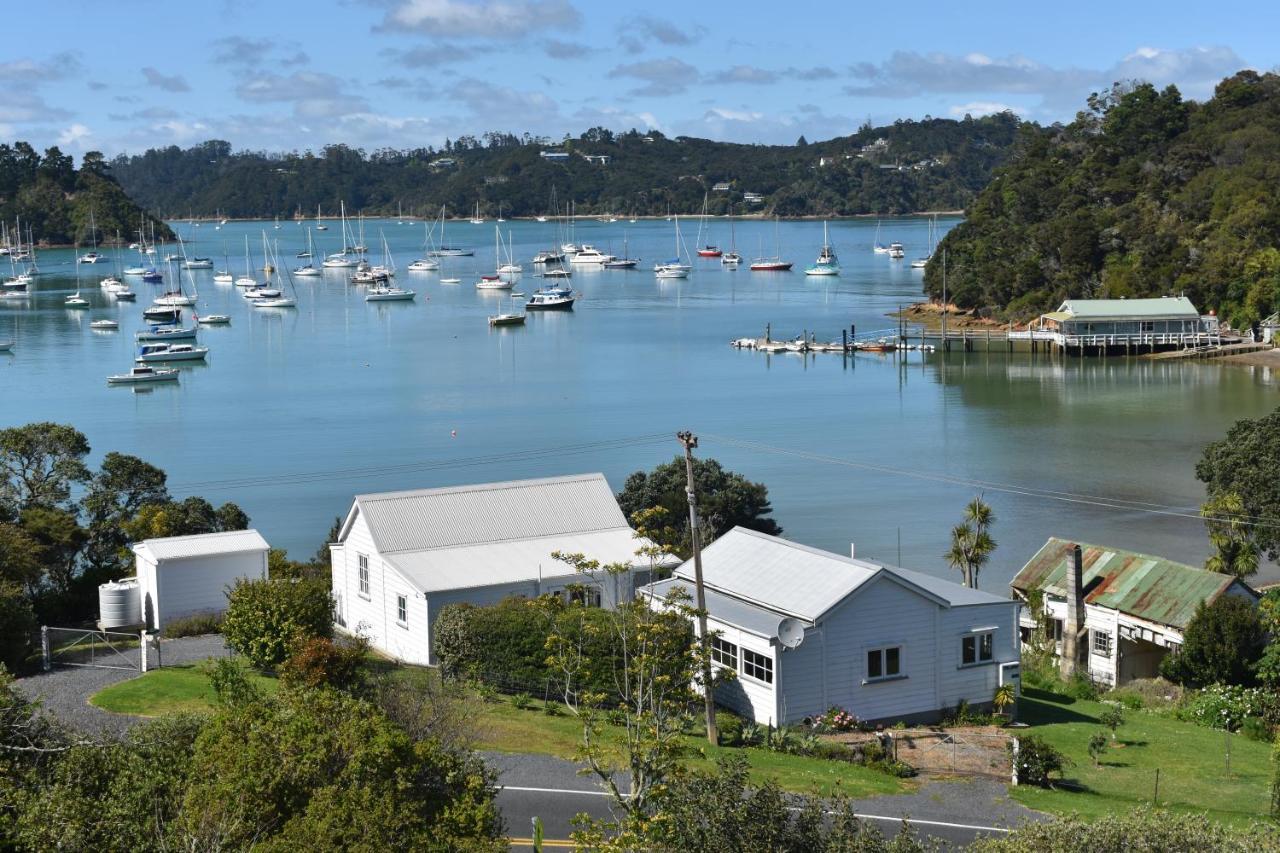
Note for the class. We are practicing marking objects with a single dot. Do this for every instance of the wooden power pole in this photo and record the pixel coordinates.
(690, 441)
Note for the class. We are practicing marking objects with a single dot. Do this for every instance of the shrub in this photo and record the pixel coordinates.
(265, 618)
(1080, 686)
(1255, 728)
(1139, 829)
(522, 701)
(1097, 746)
(453, 639)
(837, 719)
(616, 717)
(1125, 699)
(1037, 761)
(730, 728)
(17, 624)
(195, 625)
(320, 662)
(752, 734)
(1221, 706)
(230, 686)
(1113, 718)
(551, 708)
(1221, 645)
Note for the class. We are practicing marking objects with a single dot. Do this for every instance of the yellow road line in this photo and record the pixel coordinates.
(546, 842)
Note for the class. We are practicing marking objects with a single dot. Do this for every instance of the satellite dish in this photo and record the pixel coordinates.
(790, 633)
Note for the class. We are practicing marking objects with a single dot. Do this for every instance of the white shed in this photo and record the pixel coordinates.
(403, 556)
(183, 575)
(806, 630)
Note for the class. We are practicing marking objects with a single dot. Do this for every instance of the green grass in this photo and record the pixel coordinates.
(169, 690)
(1191, 760)
(504, 728)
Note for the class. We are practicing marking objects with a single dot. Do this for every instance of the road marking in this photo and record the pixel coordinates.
(914, 821)
(546, 842)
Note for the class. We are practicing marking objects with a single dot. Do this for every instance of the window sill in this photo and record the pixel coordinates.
(758, 680)
(404, 625)
(364, 595)
(882, 679)
(976, 664)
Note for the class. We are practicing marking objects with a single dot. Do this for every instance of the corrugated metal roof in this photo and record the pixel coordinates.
(797, 580)
(722, 608)
(1179, 307)
(490, 512)
(512, 561)
(202, 545)
(1139, 585)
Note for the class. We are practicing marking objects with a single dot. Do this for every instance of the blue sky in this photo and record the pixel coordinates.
(283, 75)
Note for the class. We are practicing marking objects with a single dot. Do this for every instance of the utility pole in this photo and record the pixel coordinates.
(690, 441)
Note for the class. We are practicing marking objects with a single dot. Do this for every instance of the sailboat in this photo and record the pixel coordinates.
(270, 297)
(878, 247)
(75, 300)
(827, 262)
(92, 256)
(921, 263)
(320, 226)
(445, 250)
(383, 290)
(342, 259)
(224, 275)
(507, 319)
(776, 263)
(425, 264)
(308, 269)
(731, 258)
(707, 250)
(510, 267)
(476, 220)
(621, 263)
(247, 280)
(668, 269)
(495, 281)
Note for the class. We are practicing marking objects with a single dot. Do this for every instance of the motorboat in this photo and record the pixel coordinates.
(157, 333)
(569, 249)
(17, 284)
(551, 299)
(75, 300)
(896, 251)
(424, 265)
(671, 272)
(142, 374)
(589, 255)
(198, 264)
(148, 353)
(510, 269)
(135, 270)
(384, 293)
(104, 325)
(548, 257)
(174, 298)
(770, 265)
(6, 346)
(558, 273)
(125, 295)
(92, 258)
(213, 320)
(276, 302)
(493, 282)
(730, 259)
(450, 252)
(151, 275)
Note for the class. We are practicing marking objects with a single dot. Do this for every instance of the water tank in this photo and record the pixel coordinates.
(119, 604)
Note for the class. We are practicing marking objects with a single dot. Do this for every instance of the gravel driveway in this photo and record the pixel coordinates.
(65, 691)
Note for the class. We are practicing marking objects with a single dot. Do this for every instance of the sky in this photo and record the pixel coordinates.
(125, 75)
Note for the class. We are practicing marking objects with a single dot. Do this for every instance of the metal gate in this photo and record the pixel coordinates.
(93, 648)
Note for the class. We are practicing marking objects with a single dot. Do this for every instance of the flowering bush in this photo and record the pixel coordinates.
(1225, 706)
(837, 719)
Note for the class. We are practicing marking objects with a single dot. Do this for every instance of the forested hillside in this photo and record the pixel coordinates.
(1143, 194)
(933, 164)
(59, 202)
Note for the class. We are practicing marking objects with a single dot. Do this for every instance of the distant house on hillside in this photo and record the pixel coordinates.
(753, 198)
(806, 629)
(555, 155)
(1125, 610)
(402, 556)
(443, 163)
(722, 187)
(598, 159)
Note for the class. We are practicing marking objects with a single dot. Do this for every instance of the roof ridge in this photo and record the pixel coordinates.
(499, 485)
(211, 535)
(492, 541)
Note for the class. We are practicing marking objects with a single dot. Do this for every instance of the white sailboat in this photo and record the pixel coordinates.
(497, 281)
(247, 280)
(320, 226)
(827, 262)
(878, 247)
(342, 259)
(308, 269)
(476, 219)
(679, 263)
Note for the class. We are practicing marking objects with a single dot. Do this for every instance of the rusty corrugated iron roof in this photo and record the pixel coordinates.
(1151, 588)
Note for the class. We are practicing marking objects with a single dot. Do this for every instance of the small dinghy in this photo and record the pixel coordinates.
(214, 320)
(104, 325)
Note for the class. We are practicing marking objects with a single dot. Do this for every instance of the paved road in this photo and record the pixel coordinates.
(957, 812)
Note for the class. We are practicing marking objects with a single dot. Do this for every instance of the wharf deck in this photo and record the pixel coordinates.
(1210, 351)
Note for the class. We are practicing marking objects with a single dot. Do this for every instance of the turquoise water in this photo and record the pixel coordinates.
(296, 411)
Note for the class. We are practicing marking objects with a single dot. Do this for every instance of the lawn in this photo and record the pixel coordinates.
(169, 690)
(1191, 760)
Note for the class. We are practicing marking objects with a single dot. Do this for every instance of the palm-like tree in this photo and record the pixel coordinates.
(1235, 551)
(971, 541)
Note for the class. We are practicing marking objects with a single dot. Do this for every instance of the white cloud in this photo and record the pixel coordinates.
(74, 136)
(979, 108)
(668, 76)
(744, 74)
(167, 82)
(642, 31)
(484, 19)
(313, 94)
(1195, 71)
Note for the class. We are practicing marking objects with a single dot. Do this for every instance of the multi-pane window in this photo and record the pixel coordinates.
(757, 666)
(1102, 643)
(584, 594)
(884, 663)
(724, 653)
(977, 648)
(364, 574)
(402, 610)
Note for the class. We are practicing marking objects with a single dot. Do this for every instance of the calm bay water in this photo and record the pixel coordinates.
(296, 411)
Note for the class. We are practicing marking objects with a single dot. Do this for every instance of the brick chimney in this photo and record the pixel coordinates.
(1074, 625)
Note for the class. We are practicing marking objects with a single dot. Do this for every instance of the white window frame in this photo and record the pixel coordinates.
(724, 652)
(587, 594)
(763, 669)
(402, 611)
(882, 652)
(362, 575)
(1106, 650)
(980, 638)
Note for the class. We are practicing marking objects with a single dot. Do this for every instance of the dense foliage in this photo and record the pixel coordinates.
(1241, 467)
(1151, 831)
(725, 500)
(64, 528)
(266, 619)
(943, 162)
(1221, 645)
(1144, 194)
(61, 203)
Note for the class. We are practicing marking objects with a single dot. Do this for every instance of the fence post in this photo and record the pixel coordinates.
(142, 647)
(1016, 746)
(45, 653)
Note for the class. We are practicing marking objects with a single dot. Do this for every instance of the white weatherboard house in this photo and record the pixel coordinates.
(807, 629)
(184, 575)
(403, 556)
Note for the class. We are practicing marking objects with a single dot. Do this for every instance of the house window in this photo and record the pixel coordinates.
(1102, 643)
(724, 653)
(757, 666)
(1148, 327)
(402, 611)
(583, 594)
(1055, 629)
(977, 648)
(884, 663)
(364, 575)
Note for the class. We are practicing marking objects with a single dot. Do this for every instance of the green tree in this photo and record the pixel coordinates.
(1113, 718)
(39, 464)
(725, 500)
(17, 626)
(971, 542)
(266, 618)
(1221, 645)
(60, 538)
(188, 517)
(1241, 467)
(20, 556)
(122, 486)
(1235, 552)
